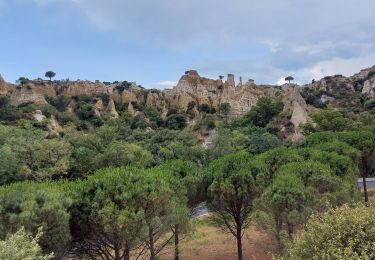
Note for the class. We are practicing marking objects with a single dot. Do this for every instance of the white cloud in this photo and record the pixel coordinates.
(166, 84)
(307, 39)
(346, 67)
(281, 82)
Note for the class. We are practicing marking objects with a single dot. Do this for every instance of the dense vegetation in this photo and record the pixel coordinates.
(114, 188)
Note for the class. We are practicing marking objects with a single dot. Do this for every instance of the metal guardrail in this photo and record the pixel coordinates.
(370, 182)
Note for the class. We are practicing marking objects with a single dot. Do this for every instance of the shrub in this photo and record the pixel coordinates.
(342, 233)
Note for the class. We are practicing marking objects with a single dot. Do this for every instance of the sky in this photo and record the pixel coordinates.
(153, 42)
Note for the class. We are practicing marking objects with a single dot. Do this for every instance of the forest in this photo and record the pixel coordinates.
(126, 188)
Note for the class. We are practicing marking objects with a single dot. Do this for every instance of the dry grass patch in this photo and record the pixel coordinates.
(208, 242)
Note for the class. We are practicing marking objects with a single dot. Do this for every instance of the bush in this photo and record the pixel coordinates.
(176, 121)
(49, 110)
(261, 114)
(342, 233)
(60, 102)
(21, 245)
(4, 101)
(65, 118)
(10, 114)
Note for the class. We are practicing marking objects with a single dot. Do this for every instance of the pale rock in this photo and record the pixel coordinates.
(131, 109)
(369, 88)
(296, 105)
(99, 105)
(111, 109)
(72, 106)
(53, 128)
(38, 116)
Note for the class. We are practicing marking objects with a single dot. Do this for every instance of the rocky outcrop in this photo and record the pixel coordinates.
(53, 128)
(369, 88)
(38, 116)
(27, 93)
(295, 105)
(111, 109)
(192, 89)
(6, 88)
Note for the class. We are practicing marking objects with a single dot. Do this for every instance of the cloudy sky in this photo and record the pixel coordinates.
(154, 41)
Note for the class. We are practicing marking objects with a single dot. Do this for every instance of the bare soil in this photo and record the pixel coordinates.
(211, 243)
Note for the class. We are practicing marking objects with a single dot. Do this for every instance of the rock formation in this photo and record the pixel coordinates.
(337, 91)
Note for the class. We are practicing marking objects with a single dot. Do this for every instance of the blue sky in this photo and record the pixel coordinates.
(154, 41)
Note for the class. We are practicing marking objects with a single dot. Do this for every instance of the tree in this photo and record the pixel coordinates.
(162, 201)
(259, 143)
(261, 114)
(50, 74)
(224, 109)
(363, 141)
(107, 219)
(119, 153)
(341, 233)
(34, 206)
(285, 200)
(41, 158)
(9, 166)
(22, 81)
(231, 194)
(4, 101)
(186, 175)
(22, 246)
(176, 122)
(221, 77)
(289, 79)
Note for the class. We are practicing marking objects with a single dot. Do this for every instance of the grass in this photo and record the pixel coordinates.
(209, 242)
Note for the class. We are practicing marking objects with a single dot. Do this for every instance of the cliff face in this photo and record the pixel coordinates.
(195, 91)
(193, 88)
(347, 93)
(6, 88)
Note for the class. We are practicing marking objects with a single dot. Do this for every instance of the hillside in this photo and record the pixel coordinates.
(114, 171)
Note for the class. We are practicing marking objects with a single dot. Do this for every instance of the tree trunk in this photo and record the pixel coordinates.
(152, 243)
(364, 176)
(127, 253)
(117, 253)
(278, 229)
(176, 243)
(239, 242)
(290, 229)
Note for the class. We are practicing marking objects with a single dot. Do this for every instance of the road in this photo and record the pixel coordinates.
(369, 181)
(200, 210)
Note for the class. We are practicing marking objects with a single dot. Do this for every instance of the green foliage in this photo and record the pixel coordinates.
(34, 206)
(106, 211)
(9, 166)
(342, 233)
(66, 118)
(261, 114)
(9, 113)
(332, 120)
(228, 142)
(49, 110)
(50, 74)
(259, 143)
(205, 108)
(208, 122)
(4, 101)
(176, 122)
(60, 102)
(287, 201)
(119, 153)
(22, 246)
(231, 193)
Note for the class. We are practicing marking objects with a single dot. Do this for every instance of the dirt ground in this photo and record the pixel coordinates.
(211, 243)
